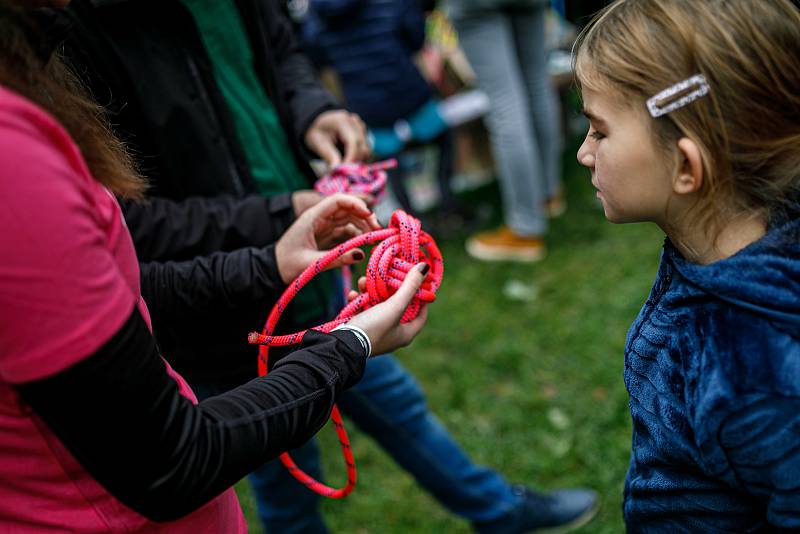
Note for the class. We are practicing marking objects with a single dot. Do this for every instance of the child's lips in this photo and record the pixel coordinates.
(597, 188)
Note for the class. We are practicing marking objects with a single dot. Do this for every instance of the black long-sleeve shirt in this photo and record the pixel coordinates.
(161, 454)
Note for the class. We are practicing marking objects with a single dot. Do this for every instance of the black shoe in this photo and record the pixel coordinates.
(556, 512)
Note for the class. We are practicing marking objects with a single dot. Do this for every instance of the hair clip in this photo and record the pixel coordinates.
(702, 89)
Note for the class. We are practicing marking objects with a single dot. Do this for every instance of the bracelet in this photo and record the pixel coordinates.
(362, 337)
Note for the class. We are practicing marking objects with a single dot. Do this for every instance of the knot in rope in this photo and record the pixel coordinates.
(395, 256)
(402, 246)
(366, 178)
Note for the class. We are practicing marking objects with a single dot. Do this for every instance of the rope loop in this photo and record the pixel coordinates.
(400, 247)
(365, 178)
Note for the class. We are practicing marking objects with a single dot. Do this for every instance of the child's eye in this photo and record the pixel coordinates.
(596, 135)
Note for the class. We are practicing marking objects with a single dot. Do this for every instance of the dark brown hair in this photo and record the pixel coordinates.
(747, 128)
(28, 68)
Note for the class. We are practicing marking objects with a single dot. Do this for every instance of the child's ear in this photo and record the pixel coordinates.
(690, 172)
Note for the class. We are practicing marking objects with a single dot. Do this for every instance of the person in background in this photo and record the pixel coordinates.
(371, 45)
(97, 432)
(504, 41)
(214, 68)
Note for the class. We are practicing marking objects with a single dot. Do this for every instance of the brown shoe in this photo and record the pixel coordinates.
(555, 206)
(504, 245)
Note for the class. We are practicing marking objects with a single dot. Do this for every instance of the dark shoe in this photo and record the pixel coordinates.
(556, 512)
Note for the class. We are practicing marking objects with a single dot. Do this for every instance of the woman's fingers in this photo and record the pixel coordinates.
(402, 297)
(382, 322)
(349, 258)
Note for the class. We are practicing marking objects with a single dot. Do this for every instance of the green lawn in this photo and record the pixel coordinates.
(532, 387)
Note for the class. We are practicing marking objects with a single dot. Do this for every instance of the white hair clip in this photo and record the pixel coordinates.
(702, 89)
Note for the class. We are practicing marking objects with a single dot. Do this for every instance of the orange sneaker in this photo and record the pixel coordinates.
(504, 245)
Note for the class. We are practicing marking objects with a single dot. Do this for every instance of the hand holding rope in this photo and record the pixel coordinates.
(402, 246)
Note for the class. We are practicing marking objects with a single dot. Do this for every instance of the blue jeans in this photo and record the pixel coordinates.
(507, 52)
(389, 405)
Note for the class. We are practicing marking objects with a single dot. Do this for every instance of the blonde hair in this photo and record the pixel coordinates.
(747, 128)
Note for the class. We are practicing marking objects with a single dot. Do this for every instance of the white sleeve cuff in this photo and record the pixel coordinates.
(362, 336)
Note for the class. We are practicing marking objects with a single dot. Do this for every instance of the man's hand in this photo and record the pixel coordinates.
(331, 221)
(332, 128)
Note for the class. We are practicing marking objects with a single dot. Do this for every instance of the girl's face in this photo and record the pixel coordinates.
(632, 177)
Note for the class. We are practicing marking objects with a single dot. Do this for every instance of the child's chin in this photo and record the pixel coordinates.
(613, 217)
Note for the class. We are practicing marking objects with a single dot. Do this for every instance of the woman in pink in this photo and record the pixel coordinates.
(97, 433)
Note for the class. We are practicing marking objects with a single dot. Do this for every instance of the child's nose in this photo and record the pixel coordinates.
(585, 155)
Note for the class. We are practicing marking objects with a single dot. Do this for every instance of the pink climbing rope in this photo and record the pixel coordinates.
(402, 246)
(358, 178)
(367, 178)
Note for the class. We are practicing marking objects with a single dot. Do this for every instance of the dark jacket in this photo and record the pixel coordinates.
(712, 365)
(144, 60)
(371, 44)
(180, 245)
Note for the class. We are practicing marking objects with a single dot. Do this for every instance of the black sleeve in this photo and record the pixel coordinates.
(163, 229)
(122, 417)
(297, 78)
(211, 284)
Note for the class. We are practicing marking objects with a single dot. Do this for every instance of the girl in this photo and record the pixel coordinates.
(97, 432)
(695, 126)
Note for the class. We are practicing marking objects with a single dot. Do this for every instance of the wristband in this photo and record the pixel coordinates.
(362, 337)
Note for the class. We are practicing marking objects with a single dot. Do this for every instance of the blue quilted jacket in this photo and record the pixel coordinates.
(712, 365)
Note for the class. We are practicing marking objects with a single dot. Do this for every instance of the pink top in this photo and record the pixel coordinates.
(69, 279)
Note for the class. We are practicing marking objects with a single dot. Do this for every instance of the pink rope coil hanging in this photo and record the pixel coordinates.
(400, 247)
(366, 178)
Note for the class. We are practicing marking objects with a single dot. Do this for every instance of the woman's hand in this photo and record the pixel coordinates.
(381, 323)
(331, 221)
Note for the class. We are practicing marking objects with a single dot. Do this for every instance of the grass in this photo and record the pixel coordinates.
(532, 387)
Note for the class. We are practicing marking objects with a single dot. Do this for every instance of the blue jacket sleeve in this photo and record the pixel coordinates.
(761, 440)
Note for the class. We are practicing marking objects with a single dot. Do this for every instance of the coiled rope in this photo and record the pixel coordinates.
(366, 178)
(402, 246)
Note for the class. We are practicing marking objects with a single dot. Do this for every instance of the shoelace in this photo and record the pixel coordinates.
(402, 246)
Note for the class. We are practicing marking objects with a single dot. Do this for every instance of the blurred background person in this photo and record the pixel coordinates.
(371, 45)
(504, 41)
